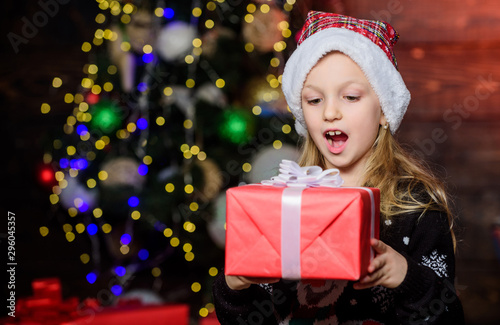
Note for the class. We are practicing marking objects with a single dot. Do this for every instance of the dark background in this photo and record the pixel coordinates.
(448, 55)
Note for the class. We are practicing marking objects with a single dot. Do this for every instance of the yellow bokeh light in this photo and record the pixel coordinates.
(147, 49)
(265, 8)
(168, 232)
(108, 86)
(106, 228)
(249, 47)
(44, 231)
(169, 187)
(92, 69)
(246, 167)
(189, 59)
(277, 144)
(203, 312)
(85, 258)
(112, 69)
(187, 155)
(102, 175)
(124, 249)
(188, 188)
(189, 256)
(91, 183)
(202, 156)
(189, 226)
(128, 8)
(220, 83)
(72, 212)
(96, 89)
(197, 42)
(195, 150)
(125, 19)
(87, 83)
(187, 247)
(168, 91)
(174, 241)
(68, 98)
(213, 271)
(249, 18)
(275, 62)
(184, 147)
(190, 83)
(193, 206)
(159, 12)
(100, 18)
(71, 150)
(54, 198)
(209, 23)
(286, 33)
(56, 82)
(86, 47)
(99, 144)
(147, 160)
(196, 287)
(256, 110)
(45, 108)
(251, 8)
(97, 212)
(136, 215)
(80, 228)
(286, 129)
(160, 120)
(188, 124)
(196, 12)
(156, 272)
(131, 127)
(125, 46)
(70, 236)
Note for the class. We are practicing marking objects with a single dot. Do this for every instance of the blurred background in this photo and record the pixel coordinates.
(126, 121)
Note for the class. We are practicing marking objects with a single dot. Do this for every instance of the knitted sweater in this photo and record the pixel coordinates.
(426, 295)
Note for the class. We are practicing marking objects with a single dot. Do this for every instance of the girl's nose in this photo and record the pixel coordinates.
(331, 111)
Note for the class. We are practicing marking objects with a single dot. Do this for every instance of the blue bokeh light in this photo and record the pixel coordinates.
(168, 13)
(142, 170)
(142, 87)
(116, 290)
(133, 201)
(81, 129)
(142, 123)
(125, 239)
(91, 277)
(120, 270)
(64, 163)
(92, 229)
(143, 254)
(148, 57)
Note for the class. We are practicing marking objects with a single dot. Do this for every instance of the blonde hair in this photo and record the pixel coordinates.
(406, 184)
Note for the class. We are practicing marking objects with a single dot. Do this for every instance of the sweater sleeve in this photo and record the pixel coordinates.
(427, 294)
(249, 306)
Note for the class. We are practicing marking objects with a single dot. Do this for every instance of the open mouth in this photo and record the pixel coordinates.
(336, 139)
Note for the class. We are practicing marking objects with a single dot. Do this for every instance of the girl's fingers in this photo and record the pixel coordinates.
(378, 245)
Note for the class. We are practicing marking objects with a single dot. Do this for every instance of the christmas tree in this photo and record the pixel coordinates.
(180, 100)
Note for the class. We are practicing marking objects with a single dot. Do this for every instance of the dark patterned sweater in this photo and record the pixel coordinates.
(426, 296)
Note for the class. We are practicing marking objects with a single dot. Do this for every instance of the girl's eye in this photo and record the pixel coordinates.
(314, 101)
(352, 98)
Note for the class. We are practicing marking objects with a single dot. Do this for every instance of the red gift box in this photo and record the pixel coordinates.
(309, 233)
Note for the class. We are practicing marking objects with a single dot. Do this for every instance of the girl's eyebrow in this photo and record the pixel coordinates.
(342, 85)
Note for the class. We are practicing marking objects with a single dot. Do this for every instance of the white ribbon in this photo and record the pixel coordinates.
(292, 175)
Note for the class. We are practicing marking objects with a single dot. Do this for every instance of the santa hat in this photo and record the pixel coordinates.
(368, 43)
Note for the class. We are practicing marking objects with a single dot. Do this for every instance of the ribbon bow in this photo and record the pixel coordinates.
(292, 175)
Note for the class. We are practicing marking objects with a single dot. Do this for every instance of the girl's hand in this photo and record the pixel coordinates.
(240, 282)
(387, 269)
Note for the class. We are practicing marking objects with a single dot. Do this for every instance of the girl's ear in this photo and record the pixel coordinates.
(383, 120)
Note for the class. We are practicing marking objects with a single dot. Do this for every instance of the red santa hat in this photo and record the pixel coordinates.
(369, 43)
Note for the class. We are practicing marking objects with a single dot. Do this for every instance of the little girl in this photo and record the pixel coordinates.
(348, 98)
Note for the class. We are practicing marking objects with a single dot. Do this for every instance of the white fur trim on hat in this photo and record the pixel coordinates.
(384, 78)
